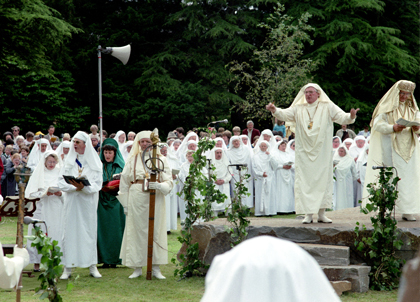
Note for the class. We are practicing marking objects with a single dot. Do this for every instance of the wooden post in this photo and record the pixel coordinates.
(19, 235)
(155, 140)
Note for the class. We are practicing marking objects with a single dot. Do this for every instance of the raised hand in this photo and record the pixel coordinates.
(271, 107)
(353, 112)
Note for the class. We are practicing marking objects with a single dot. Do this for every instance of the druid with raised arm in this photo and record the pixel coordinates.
(134, 196)
(312, 114)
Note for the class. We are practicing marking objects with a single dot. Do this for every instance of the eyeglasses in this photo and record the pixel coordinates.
(15, 130)
(310, 92)
(405, 93)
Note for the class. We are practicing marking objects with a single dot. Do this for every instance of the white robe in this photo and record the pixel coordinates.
(171, 200)
(134, 245)
(345, 174)
(222, 173)
(242, 156)
(80, 218)
(264, 186)
(284, 195)
(49, 209)
(11, 268)
(313, 186)
(409, 172)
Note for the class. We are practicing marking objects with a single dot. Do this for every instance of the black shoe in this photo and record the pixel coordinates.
(105, 265)
(168, 233)
(113, 266)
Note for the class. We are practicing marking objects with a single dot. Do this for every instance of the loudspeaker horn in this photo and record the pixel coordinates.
(121, 53)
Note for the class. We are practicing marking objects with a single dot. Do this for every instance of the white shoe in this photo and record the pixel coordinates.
(322, 217)
(307, 219)
(156, 272)
(408, 217)
(66, 273)
(94, 271)
(137, 273)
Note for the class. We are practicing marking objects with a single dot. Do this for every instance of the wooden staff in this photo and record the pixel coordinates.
(155, 140)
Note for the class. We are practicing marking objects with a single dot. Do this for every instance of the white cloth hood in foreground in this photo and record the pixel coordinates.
(267, 269)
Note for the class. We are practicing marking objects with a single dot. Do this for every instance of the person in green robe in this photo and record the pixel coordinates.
(111, 217)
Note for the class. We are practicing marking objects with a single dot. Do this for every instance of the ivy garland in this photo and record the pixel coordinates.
(380, 247)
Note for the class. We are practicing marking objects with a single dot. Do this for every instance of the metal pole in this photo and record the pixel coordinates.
(100, 92)
(19, 236)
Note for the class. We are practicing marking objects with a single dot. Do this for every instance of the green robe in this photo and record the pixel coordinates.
(111, 217)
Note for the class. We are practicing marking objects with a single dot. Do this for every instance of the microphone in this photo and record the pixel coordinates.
(222, 121)
(379, 167)
(28, 220)
(239, 165)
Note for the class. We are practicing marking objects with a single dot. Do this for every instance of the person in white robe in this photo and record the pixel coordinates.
(267, 269)
(345, 175)
(183, 147)
(348, 142)
(11, 268)
(265, 204)
(238, 154)
(191, 146)
(63, 150)
(336, 142)
(282, 163)
(183, 174)
(175, 146)
(247, 144)
(221, 162)
(43, 184)
(361, 165)
(397, 146)
(354, 151)
(37, 151)
(121, 140)
(126, 149)
(136, 204)
(312, 114)
(171, 200)
(267, 135)
(81, 203)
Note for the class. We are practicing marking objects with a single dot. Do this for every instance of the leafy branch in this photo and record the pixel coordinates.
(379, 248)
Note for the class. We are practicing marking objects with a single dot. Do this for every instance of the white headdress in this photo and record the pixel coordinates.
(90, 155)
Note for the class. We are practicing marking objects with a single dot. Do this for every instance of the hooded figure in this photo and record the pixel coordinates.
(62, 149)
(80, 219)
(396, 146)
(220, 162)
(267, 269)
(43, 184)
(120, 138)
(238, 153)
(265, 204)
(281, 162)
(136, 204)
(345, 174)
(171, 200)
(42, 145)
(111, 218)
(312, 114)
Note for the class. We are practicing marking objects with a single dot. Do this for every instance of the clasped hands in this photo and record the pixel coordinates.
(59, 193)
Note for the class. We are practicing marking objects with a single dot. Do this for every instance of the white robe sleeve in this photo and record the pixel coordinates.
(339, 116)
(354, 173)
(166, 181)
(381, 124)
(286, 115)
(125, 184)
(11, 268)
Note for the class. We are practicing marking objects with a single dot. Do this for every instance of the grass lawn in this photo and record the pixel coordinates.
(115, 285)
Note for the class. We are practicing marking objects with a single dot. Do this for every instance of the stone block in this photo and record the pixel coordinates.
(341, 286)
(328, 254)
(358, 275)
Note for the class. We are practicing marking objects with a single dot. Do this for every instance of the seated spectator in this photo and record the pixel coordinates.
(279, 126)
(344, 133)
(66, 137)
(250, 131)
(226, 135)
(365, 132)
(221, 130)
(20, 140)
(50, 136)
(10, 168)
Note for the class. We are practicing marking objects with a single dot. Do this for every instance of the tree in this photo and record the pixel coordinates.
(31, 33)
(33, 102)
(277, 70)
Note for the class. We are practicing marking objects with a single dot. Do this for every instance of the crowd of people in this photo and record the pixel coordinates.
(307, 175)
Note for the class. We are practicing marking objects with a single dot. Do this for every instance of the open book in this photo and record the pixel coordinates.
(406, 123)
(81, 179)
